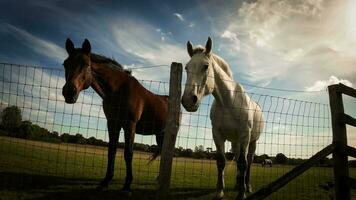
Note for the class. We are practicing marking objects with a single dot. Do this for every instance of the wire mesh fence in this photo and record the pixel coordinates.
(70, 140)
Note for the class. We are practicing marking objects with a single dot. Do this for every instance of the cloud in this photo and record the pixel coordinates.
(140, 40)
(191, 24)
(323, 84)
(292, 42)
(263, 17)
(39, 45)
(233, 39)
(179, 16)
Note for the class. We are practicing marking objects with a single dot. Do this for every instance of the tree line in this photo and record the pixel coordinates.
(12, 125)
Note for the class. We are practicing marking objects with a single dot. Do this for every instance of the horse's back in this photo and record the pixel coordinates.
(152, 119)
(133, 102)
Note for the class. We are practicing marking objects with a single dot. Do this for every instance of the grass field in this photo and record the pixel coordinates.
(39, 170)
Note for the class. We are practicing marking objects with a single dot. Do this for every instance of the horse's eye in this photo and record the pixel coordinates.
(205, 67)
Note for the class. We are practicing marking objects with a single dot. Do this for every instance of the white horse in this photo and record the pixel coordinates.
(234, 115)
(267, 162)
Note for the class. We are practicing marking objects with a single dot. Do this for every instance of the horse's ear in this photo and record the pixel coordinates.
(190, 48)
(208, 45)
(86, 47)
(69, 46)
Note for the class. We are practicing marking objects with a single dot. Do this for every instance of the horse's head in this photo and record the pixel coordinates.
(77, 70)
(200, 76)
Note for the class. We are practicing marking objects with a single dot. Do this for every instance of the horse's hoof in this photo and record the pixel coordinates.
(249, 189)
(219, 195)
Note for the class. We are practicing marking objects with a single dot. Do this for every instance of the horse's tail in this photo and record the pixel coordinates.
(157, 152)
(154, 156)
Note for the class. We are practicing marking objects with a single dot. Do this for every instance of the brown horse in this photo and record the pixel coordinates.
(127, 104)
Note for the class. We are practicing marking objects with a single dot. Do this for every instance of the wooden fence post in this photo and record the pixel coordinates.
(171, 130)
(340, 158)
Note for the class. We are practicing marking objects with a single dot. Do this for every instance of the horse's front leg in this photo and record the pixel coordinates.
(114, 132)
(220, 163)
(129, 129)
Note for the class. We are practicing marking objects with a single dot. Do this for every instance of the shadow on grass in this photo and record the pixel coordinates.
(31, 186)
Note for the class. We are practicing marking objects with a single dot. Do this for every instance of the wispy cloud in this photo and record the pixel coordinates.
(294, 42)
(143, 41)
(179, 16)
(191, 24)
(39, 45)
(232, 38)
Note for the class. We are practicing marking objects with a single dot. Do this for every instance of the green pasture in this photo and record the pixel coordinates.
(39, 170)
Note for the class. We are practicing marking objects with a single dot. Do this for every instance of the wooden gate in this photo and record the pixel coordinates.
(339, 148)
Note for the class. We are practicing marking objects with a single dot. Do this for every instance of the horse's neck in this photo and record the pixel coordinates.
(106, 79)
(226, 89)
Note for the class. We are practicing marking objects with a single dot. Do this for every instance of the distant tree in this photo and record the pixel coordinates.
(141, 147)
(153, 148)
(65, 137)
(25, 130)
(55, 133)
(187, 153)
(281, 158)
(79, 139)
(199, 152)
(11, 118)
(327, 162)
(178, 151)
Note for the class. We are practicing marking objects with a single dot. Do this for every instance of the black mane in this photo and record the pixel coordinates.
(102, 59)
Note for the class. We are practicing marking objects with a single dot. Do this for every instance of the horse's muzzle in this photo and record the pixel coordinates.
(70, 94)
(190, 104)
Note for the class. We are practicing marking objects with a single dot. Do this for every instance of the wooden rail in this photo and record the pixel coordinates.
(338, 148)
(340, 156)
(294, 173)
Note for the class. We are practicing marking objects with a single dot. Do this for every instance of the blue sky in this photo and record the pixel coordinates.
(287, 44)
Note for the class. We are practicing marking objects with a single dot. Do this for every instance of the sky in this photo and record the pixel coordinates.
(300, 45)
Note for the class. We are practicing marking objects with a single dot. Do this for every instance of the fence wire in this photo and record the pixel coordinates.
(70, 140)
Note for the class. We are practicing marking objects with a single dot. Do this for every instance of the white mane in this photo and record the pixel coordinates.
(221, 62)
(224, 66)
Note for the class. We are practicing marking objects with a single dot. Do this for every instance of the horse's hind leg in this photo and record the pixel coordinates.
(251, 152)
(129, 129)
(159, 140)
(114, 131)
(240, 151)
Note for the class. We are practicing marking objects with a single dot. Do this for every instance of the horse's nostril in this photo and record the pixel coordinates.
(69, 91)
(195, 99)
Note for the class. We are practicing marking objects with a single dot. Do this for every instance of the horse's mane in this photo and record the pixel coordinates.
(222, 63)
(110, 62)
